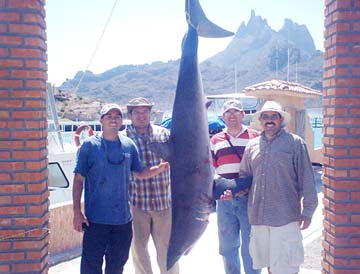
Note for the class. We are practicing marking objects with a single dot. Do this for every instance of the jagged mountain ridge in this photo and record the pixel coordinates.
(257, 53)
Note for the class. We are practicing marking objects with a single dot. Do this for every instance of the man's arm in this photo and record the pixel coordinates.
(78, 218)
(245, 164)
(304, 222)
(307, 184)
(212, 152)
(150, 172)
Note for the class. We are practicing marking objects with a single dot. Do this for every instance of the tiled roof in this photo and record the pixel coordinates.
(281, 87)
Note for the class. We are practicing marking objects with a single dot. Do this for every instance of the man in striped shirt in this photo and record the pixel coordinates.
(150, 198)
(227, 148)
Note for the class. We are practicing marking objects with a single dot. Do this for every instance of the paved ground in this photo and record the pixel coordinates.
(204, 257)
(209, 263)
(313, 255)
(311, 265)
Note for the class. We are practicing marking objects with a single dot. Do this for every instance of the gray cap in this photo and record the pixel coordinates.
(106, 108)
(232, 104)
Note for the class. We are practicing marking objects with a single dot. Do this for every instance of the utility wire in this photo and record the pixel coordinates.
(97, 46)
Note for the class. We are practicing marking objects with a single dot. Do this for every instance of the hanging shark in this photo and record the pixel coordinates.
(188, 150)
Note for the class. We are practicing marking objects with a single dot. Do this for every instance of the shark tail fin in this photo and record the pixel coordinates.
(196, 17)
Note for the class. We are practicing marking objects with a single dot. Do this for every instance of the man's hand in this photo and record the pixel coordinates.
(152, 171)
(163, 165)
(227, 195)
(78, 220)
(223, 187)
(304, 222)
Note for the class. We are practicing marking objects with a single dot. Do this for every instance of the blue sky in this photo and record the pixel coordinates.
(144, 31)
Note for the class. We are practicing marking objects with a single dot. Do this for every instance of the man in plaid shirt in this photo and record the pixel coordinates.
(150, 198)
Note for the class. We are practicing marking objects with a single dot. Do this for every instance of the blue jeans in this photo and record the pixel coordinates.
(233, 223)
(111, 241)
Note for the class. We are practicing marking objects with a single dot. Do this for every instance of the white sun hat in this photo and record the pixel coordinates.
(273, 106)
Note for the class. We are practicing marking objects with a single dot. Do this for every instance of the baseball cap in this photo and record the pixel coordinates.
(106, 108)
(232, 104)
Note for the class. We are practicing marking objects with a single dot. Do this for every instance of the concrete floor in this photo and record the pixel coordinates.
(204, 257)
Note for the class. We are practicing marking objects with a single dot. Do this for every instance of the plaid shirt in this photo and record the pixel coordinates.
(151, 194)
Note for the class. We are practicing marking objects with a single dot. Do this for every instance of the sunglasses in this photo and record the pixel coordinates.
(116, 157)
(271, 117)
(233, 112)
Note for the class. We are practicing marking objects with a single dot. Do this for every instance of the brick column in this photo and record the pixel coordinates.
(341, 109)
(24, 214)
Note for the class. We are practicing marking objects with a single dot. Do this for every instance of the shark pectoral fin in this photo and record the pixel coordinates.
(162, 149)
(235, 185)
(208, 103)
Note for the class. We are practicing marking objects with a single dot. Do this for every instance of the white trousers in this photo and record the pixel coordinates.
(279, 248)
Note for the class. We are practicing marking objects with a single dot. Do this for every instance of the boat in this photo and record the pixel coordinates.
(64, 138)
(61, 161)
(250, 104)
(215, 109)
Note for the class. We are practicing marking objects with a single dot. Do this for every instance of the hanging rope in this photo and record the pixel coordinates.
(22, 234)
(97, 46)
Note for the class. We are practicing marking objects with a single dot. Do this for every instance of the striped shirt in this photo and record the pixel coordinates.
(153, 194)
(224, 158)
(283, 179)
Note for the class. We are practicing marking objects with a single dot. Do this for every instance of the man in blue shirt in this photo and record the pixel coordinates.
(103, 166)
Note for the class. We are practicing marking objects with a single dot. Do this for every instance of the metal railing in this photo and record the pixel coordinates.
(316, 122)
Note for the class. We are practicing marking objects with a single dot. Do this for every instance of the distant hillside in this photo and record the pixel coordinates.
(257, 53)
(70, 106)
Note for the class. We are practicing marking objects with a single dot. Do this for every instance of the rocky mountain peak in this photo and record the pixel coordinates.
(256, 40)
(257, 23)
(256, 26)
(256, 54)
(298, 34)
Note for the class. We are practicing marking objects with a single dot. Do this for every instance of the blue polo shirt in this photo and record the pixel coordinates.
(106, 167)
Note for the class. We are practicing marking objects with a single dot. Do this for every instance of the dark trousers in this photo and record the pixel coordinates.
(111, 241)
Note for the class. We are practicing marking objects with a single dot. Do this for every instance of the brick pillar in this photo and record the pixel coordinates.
(24, 214)
(341, 109)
